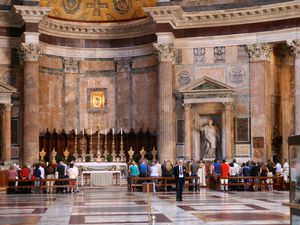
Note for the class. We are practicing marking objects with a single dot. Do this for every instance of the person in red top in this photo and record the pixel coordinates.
(224, 172)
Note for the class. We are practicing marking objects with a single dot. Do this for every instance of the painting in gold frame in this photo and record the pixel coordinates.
(97, 100)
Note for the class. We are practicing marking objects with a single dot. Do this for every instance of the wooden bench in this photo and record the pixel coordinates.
(165, 182)
(28, 184)
(256, 181)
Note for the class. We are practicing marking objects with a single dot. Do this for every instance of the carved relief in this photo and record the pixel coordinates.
(178, 56)
(295, 46)
(184, 78)
(199, 55)
(237, 75)
(259, 51)
(242, 54)
(71, 65)
(219, 54)
(165, 52)
(30, 52)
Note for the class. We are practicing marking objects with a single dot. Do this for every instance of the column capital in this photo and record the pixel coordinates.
(187, 106)
(71, 65)
(295, 47)
(285, 55)
(7, 107)
(30, 52)
(228, 105)
(259, 51)
(165, 52)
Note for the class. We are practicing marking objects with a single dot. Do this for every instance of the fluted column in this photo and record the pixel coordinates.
(6, 134)
(166, 123)
(295, 44)
(30, 53)
(286, 79)
(260, 94)
(187, 131)
(229, 131)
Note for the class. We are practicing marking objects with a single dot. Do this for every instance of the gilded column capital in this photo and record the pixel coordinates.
(165, 52)
(71, 65)
(295, 47)
(30, 52)
(259, 52)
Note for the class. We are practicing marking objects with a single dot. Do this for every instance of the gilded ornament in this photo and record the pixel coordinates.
(71, 6)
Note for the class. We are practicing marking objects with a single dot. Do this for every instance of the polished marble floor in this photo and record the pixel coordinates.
(114, 205)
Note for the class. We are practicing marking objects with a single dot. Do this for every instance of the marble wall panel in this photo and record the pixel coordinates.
(51, 62)
(209, 55)
(5, 56)
(145, 104)
(96, 65)
(70, 101)
(188, 56)
(231, 54)
(50, 90)
(146, 61)
(217, 73)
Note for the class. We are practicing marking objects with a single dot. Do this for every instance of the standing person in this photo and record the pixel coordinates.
(263, 173)
(255, 173)
(50, 172)
(179, 171)
(11, 175)
(285, 171)
(77, 176)
(143, 169)
(194, 171)
(37, 177)
(72, 174)
(278, 169)
(246, 173)
(158, 165)
(201, 173)
(224, 172)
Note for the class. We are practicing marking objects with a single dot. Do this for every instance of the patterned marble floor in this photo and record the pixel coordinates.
(115, 205)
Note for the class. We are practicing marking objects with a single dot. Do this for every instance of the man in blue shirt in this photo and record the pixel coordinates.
(143, 169)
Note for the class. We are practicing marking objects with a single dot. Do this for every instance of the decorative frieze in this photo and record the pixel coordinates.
(199, 55)
(219, 54)
(178, 56)
(71, 65)
(260, 51)
(295, 46)
(30, 52)
(30, 14)
(165, 52)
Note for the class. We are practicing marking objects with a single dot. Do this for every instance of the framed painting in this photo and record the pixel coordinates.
(97, 99)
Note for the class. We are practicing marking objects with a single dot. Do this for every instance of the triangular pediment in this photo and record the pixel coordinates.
(206, 84)
(6, 89)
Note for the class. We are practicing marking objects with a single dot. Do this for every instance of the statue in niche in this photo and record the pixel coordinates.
(210, 135)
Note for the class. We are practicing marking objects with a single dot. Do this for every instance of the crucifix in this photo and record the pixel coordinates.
(97, 5)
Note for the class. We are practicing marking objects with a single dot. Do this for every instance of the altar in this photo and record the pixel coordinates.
(101, 173)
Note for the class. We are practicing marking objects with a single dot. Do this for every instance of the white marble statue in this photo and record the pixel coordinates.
(210, 136)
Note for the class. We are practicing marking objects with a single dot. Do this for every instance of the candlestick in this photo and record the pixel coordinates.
(91, 131)
(121, 130)
(113, 131)
(83, 132)
(75, 131)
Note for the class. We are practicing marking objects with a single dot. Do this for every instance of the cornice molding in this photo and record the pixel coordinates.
(178, 19)
(61, 28)
(30, 14)
(7, 19)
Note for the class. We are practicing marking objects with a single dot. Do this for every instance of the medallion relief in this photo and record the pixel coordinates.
(71, 6)
(237, 75)
(122, 6)
(184, 78)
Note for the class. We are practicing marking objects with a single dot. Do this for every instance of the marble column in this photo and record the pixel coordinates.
(295, 45)
(6, 134)
(229, 131)
(287, 107)
(260, 95)
(30, 53)
(187, 131)
(166, 111)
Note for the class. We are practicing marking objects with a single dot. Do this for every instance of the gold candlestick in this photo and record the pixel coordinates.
(113, 151)
(105, 147)
(82, 147)
(75, 154)
(98, 146)
(91, 147)
(122, 154)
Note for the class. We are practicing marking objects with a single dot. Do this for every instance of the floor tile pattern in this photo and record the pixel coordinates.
(114, 205)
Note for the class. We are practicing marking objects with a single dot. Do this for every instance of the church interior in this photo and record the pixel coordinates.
(116, 80)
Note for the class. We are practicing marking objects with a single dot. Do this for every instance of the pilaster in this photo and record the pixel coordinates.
(260, 94)
(188, 131)
(229, 130)
(295, 46)
(6, 134)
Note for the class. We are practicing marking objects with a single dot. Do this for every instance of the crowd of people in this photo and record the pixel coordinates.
(40, 171)
(214, 169)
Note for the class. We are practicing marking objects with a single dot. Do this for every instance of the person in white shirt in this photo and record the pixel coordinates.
(153, 170)
(42, 171)
(278, 169)
(158, 165)
(285, 171)
(72, 174)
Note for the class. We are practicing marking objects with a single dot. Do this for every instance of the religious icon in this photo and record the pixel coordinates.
(97, 100)
(122, 6)
(71, 6)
